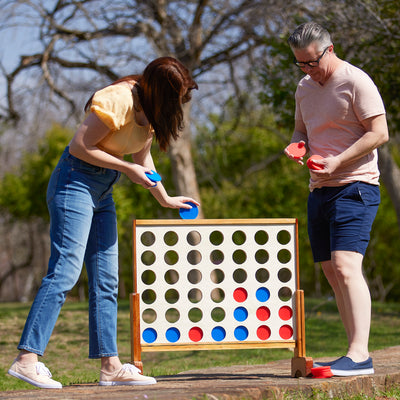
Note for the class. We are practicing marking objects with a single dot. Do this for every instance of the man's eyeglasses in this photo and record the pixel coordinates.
(311, 64)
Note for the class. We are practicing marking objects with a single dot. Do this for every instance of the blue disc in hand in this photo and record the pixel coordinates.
(191, 213)
(153, 176)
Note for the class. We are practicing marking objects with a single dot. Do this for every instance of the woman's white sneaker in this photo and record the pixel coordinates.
(36, 374)
(127, 375)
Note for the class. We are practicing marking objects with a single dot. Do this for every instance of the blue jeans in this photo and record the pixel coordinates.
(83, 228)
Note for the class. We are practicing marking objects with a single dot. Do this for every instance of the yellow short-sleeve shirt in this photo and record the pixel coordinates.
(115, 108)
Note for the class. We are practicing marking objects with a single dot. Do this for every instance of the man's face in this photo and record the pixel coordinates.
(314, 61)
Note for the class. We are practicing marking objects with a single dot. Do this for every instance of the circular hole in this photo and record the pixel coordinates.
(240, 314)
(171, 257)
(217, 295)
(239, 256)
(216, 257)
(239, 275)
(238, 237)
(194, 276)
(217, 275)
(240, 295)
(195, 334)
(172, 335)
(149, 296)
(261, 237)
(283, 237)
(263, 332)
(195, 314)
(148, 257)
(171, 276)
(149, 316)
(285, 332)
(170, 238)
(218, 314)
(193, 238)
(172, 315)
(194, 257)
(285, 294)
(284, 275)
(171, 296)
(216, 238)
(262, 256)
(149, 335)
(262, 275)
(195, 295)
(147, 238)
(284, 256)
(148, 277)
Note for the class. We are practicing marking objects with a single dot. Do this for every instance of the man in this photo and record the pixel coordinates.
(341, 117)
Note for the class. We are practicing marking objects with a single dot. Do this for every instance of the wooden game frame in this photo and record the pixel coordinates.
(300, 364)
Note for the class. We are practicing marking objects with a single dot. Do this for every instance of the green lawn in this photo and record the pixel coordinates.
(66, 354)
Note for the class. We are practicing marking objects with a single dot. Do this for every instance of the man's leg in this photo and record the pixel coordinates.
(344, 273)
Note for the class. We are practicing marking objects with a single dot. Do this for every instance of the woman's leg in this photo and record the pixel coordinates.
(70, 219)
(101, 260)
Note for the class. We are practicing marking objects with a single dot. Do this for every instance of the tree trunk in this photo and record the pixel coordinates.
(183, 172)
(390, 174)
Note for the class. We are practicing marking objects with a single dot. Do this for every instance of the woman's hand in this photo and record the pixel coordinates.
(179, 202)
(137, 174)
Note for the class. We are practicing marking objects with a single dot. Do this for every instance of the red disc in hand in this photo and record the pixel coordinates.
(297, 150)
(311, 164)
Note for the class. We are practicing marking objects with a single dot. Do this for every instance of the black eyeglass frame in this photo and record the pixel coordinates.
(311, 64)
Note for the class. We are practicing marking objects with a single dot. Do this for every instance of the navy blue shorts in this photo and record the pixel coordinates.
(340, 218)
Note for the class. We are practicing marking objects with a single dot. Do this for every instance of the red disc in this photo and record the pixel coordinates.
(285, 313)
(312, 165)
(263, 313)
(285, 332)
(297, 150)
(321, 372)
(195, 334)
(240, 295)
(263, 332)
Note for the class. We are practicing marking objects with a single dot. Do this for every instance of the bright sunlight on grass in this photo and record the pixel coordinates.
(67, 352)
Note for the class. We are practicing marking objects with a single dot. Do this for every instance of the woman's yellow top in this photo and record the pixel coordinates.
(114, 105)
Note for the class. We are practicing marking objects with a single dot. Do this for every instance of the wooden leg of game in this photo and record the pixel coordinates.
(301, 365)
(136, 351)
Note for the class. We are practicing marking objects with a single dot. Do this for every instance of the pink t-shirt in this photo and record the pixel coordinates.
(332, 115)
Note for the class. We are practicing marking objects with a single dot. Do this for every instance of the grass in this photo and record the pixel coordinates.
(67, 351)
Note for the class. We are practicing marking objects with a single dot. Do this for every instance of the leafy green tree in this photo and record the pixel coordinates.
(23, 192)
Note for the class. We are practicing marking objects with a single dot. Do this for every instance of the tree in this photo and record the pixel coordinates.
(365, 33)
(81, 42)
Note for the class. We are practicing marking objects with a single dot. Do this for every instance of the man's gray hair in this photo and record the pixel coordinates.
(308, 33)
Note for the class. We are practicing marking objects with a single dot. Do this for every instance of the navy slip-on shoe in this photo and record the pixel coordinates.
(345, 366)
(326, 364)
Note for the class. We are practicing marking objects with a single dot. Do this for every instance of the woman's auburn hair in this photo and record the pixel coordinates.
(162, 88)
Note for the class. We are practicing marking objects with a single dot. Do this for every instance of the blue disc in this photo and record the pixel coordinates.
(191, 213)
(149, 335)
(240, 314)
(154, 176)
(172, 335)
(241, 333)
(262, 294)
(218, 333)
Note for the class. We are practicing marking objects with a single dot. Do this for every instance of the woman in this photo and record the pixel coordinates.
(120, 119)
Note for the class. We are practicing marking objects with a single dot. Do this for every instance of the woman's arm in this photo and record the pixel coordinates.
(84, 146)
(145, 158)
